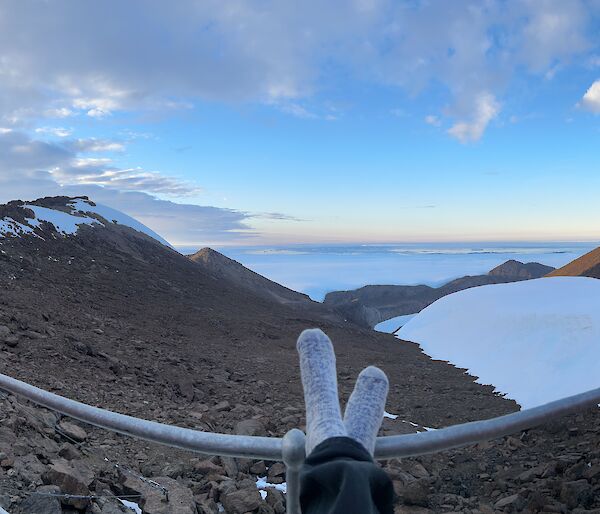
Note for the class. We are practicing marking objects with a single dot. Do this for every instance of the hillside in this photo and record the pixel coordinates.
(369, 305)
(106, 314)
(587, 265)
(223, 268)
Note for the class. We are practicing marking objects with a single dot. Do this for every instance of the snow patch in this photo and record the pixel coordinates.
(131, 505)
(262, 484)
(536, 340)
(415, 425)
(65, 223)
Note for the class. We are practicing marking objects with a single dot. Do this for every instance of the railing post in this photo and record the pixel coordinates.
(293, 453)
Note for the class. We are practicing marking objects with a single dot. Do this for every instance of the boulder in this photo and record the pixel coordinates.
(250, 427)
(578, 493)
(41, 503)
(276, 500)
(222, 406)
(512, 503)
(4, 332)
(179, 499)
(276, 473)
(72, 477)
(239, 502)
(185, 387)
(413, 493)
(73, 431)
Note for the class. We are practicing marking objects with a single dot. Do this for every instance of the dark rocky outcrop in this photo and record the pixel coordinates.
(370, 305)
(223, 268)
(512, 269)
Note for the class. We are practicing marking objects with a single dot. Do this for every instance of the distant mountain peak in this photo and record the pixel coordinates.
(222, 267)
(517, 269)
(64, 216)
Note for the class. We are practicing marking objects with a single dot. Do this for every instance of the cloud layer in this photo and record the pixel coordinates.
(98, 58)
(30, 168)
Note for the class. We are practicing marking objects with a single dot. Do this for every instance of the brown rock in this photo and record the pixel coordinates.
(207, 467)
(250, 427)
(222, 406)
(415, 493)
(239, 502)
(72, 477)
(259, 468)
(4, 332)
(276, 500)
(73, 431)
(512, 503)
(40, 503)
(180, 499)
(276, 473)
(578, 493)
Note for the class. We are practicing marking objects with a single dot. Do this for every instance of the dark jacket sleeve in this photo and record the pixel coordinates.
(340, 477)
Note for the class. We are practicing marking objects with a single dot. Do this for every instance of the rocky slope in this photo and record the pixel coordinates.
(370, 305)
(118, 320)
(223, 268)
(587, 265)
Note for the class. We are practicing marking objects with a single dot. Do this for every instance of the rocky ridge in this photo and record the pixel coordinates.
(369, 305)
(587, 265)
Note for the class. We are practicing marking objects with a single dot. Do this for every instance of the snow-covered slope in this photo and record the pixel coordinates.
(535, 341)
(68, 217)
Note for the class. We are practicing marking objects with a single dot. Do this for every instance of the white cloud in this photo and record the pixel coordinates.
(486, 109)
(30, 169)
(433, 120)
(591, 99)
(97, 145)
(62, 163)
(297, 110)
(552, 32)
(62, 112)
(55, 131)
(275, 51)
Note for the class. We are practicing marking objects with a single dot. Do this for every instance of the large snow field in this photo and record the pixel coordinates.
(536, 340)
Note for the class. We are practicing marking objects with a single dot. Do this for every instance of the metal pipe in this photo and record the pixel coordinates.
(294, 453)
(290, 449)
(250, 447)
(411, 445)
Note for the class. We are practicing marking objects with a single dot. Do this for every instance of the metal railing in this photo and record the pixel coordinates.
(290, 448)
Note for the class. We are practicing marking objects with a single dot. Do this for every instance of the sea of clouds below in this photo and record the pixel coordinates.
(316, 270)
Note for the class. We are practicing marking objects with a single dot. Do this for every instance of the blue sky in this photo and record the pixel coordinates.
(277, 122)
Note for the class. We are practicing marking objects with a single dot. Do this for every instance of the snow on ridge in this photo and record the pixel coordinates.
(68, 223)
(9, 226)
(114, 216)
(536, 340)
(65, 223)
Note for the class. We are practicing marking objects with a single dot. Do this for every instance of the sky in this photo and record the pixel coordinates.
(251, 122)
